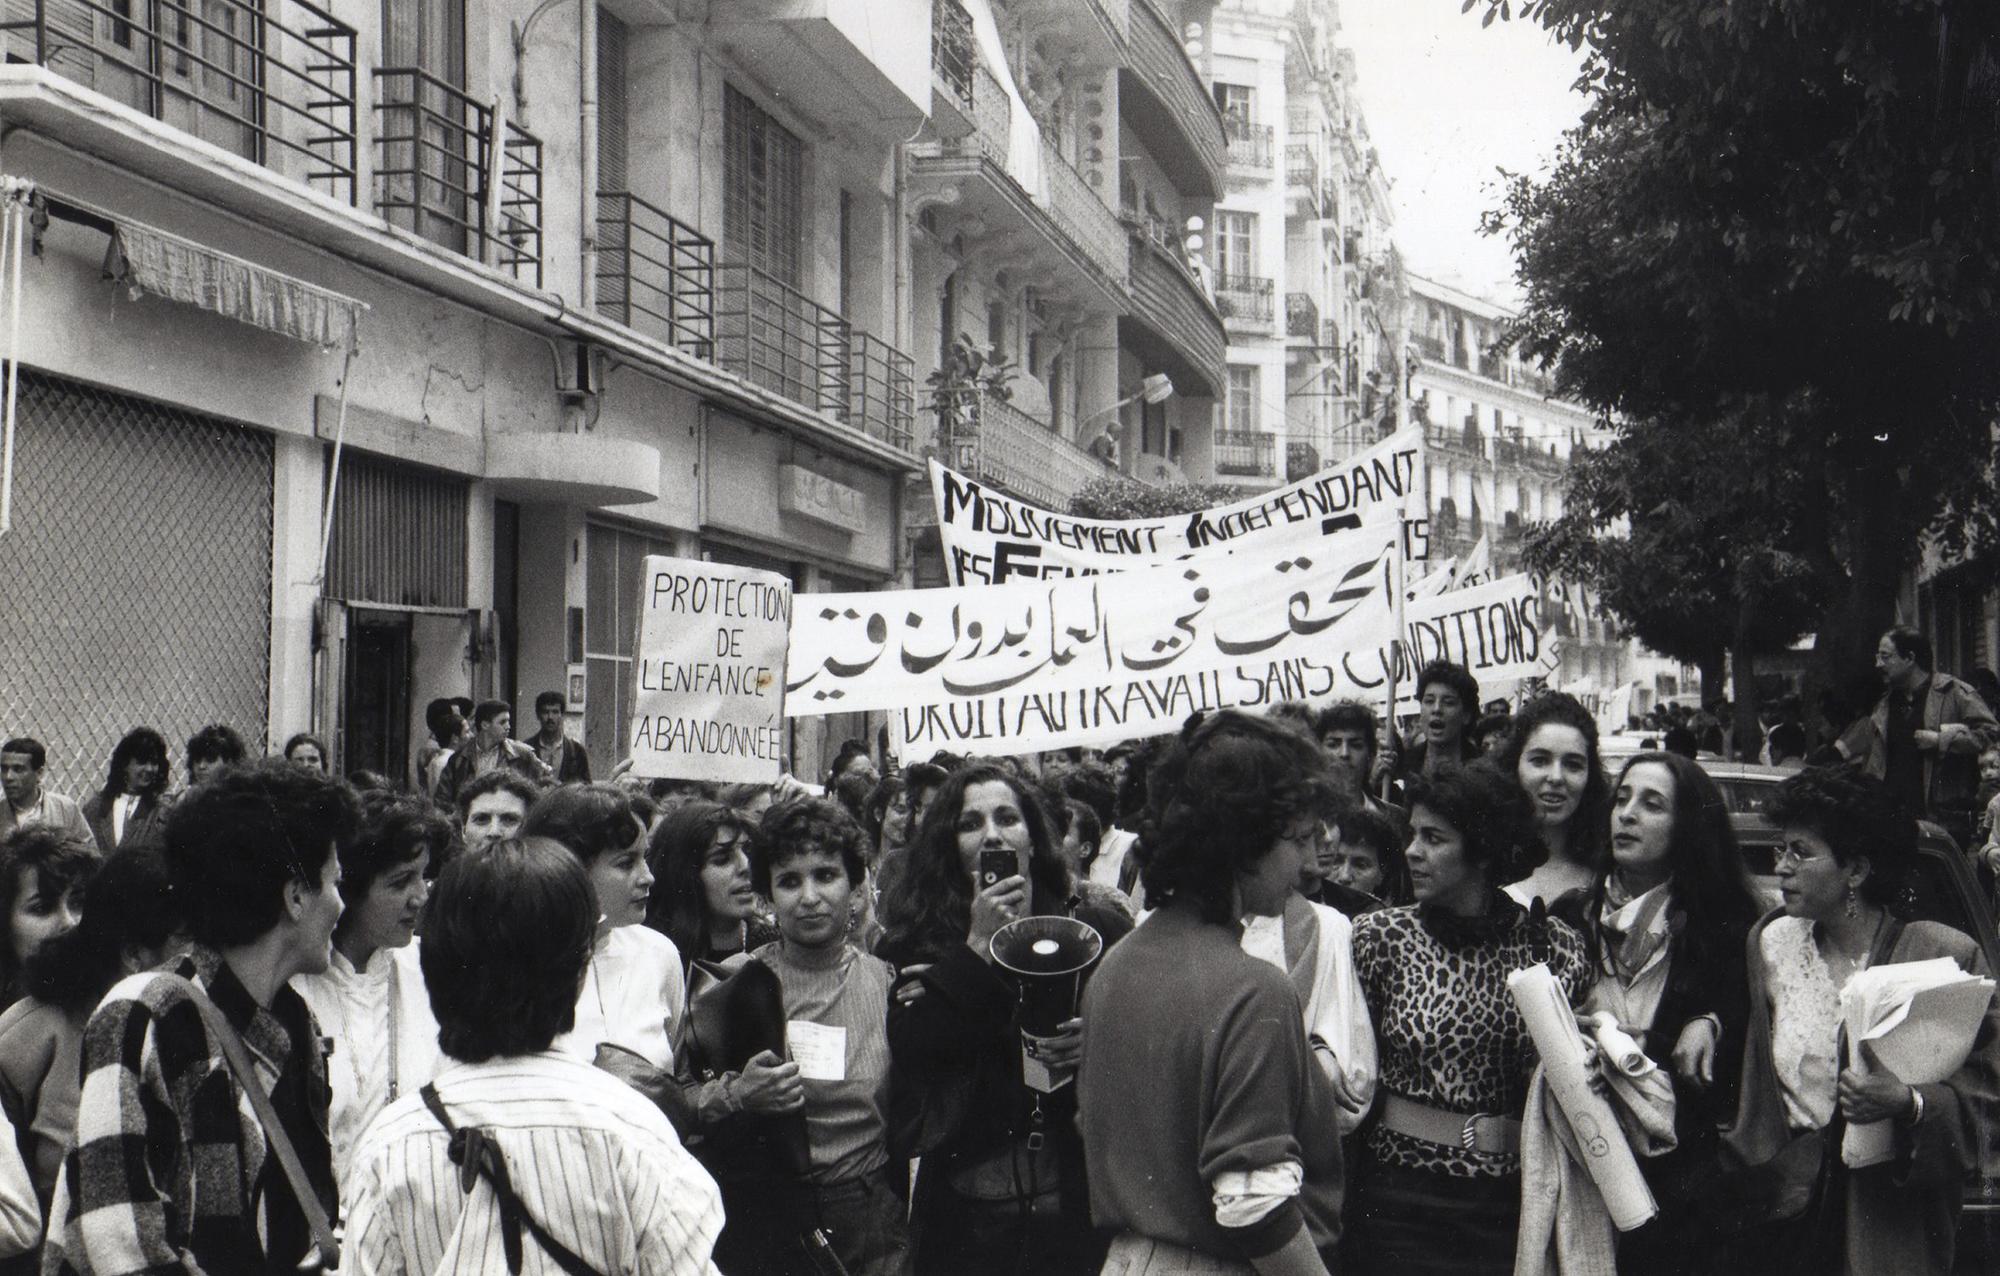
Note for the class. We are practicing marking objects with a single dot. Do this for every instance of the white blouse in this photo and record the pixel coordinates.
(1805, 1022)
(632, 997)
(385, 1039)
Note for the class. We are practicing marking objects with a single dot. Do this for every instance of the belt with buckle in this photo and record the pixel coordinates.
(1471, 1131)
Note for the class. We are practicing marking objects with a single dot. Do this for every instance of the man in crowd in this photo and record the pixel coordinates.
(1924, 736)
(1346, 731)
(491, 748)
(171, 1169)
(1447, 700)
(563, 756)
(22, 761)
(572, 1159)
(493, 807)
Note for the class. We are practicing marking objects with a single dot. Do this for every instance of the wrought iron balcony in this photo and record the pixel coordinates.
(1012, 449)
(272, 81)
(772, 335)
(434, 169)
(655, 274)
(1246, 453)
(885, 391)
(1301, 315)
(1081, 213)
(953, 52)
(1249, 144)
(1302, 168)
(1244, 298)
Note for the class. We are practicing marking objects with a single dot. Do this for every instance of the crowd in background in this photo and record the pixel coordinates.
(506, 1018)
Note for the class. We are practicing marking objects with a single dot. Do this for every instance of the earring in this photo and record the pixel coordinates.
(1853, 903)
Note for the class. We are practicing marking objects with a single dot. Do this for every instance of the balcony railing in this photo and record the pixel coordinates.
(953, 52)
(1028, 458)
(1249, 144)
(433, 163)
(1244, 297)
(655, 273)
(885, 391)
(1301, 315)
(771, 334)
(1081, 213)
(271, 81)
(1430, 347)
(1252, 453)
(1302, 168)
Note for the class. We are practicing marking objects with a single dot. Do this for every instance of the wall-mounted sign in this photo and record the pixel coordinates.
(813, 495)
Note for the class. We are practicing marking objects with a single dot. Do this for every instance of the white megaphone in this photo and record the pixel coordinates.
(1047, 957)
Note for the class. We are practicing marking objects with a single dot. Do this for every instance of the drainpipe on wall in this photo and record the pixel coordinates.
(586, 80)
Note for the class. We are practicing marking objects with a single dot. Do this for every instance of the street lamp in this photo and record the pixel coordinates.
(1157, 388)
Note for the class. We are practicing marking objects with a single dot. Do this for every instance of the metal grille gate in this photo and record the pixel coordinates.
(135, 586)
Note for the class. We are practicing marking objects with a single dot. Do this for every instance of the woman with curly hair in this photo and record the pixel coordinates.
(1847, 848)
(131, 808)
(1001, 1187)
(42, 876)
(1210, 1129)
(1665, 923)
(703, 898)
(1552, 750)
(1438, 1189)
(370, 1000)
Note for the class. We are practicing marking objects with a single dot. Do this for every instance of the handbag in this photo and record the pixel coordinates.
(734, 1014)
(237, 1055)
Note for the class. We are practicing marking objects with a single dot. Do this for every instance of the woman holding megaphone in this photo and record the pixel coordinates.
(1000, 1188)
(1211, 1133)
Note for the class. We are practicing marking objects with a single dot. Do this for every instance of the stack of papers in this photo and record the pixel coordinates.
(1920, 1017)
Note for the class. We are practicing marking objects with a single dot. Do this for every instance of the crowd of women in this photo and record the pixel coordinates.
(1297, 1053)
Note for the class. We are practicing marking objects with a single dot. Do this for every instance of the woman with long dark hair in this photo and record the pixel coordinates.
(703, 898)
(129, 924)
(1210, 1129)
(1665, 923)
(131, 808)
(42, 875)
(1551, 749)
(1001, 1186)
(1438, 1187)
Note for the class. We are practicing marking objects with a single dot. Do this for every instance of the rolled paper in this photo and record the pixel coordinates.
(1618, 1046)
(1599, 1140)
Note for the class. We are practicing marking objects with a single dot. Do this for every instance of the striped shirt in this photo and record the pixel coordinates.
(591, 1159)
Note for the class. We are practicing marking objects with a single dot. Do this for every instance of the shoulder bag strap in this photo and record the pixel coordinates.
(479, 1157)
(238, 1057)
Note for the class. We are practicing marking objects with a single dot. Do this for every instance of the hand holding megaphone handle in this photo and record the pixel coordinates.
(993, 908)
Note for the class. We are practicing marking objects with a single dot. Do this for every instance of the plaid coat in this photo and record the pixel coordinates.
(169, 1170)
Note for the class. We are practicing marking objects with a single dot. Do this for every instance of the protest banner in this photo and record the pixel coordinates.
(1495, 631)
(710, 672)
(932, 646)
(990, 538)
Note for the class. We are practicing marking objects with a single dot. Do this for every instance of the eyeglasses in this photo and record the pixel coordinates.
(1792, 856)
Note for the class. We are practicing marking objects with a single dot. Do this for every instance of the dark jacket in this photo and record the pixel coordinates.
(146, 826)
(461, 769)
(572, 767)
(1951, 771)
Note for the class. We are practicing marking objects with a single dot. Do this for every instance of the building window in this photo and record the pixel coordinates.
(1235, 243)
(996, 327)
(761, 161)
(1243, 399)
(1236, 101)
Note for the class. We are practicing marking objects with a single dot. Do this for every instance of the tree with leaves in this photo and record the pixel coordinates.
(1119, 497)
(1784, 212)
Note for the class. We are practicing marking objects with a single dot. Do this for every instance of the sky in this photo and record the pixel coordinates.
(1448, 103)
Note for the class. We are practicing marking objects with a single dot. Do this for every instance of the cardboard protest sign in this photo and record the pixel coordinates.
(891, 649)
(992, 538)
(1494, 630)
(710, 672)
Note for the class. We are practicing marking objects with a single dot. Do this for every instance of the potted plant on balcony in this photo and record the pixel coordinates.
(969, 371)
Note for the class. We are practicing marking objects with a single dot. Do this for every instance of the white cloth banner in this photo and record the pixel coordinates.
(1495, 631)
(895, 648)
(991, 538)
(710, 671)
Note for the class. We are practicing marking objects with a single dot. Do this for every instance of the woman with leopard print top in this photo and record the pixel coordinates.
(1438, 1187)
